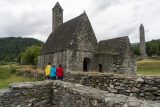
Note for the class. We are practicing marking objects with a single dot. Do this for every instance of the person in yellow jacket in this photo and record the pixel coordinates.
(47, 70)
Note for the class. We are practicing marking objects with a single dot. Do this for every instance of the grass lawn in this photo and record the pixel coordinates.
(7, 76)
(149, 67)
(4, 83)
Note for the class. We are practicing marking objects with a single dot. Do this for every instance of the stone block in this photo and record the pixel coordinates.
(135, 90)
(149, 81)
(140, 80)
(149, 88)
(157, 80)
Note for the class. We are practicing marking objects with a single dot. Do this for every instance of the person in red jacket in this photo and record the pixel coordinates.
(59, 73)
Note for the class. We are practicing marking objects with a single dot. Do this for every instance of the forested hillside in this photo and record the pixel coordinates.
(11, 47)
(152, 48)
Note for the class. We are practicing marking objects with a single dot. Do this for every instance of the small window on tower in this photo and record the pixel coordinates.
(60, 11)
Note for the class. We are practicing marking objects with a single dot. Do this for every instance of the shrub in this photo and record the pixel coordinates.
(4, 73)
(30, 55)
(12, 69)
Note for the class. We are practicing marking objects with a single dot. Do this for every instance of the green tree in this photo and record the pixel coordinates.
(11, 47)
(153, 47)
(30, 55)
(8, 59)
(136, 50)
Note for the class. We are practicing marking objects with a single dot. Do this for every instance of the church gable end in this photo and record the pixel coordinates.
(84, 38)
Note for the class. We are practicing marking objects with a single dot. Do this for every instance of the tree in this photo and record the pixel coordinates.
(136, 50)
(11, 47)
(30, 55)
(153, 47)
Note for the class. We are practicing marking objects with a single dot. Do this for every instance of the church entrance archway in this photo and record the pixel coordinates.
(100, 67)
(86, 64)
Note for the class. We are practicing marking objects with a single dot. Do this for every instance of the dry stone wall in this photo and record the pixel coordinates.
(76, 95)
(63, 94)
(27, 95)
(140, 87)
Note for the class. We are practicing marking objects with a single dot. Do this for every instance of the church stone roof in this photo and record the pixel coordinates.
(61, 38)
(116, 45)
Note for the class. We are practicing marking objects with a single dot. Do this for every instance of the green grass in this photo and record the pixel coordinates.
(4, 83)
(8, 76)
(148, 67)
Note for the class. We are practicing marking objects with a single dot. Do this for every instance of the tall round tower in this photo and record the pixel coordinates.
(142, 42)
(57, 16)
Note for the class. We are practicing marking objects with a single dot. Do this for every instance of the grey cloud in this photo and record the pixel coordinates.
(26, 25)
(101, 5)
(23, 22)
(109, 18)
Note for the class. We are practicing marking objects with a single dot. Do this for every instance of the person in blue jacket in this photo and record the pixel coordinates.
(53, 73)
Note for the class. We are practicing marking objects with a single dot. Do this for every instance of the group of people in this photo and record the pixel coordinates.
(54, 73)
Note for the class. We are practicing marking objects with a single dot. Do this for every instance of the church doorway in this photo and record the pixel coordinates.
(100, 67)
(86, 64)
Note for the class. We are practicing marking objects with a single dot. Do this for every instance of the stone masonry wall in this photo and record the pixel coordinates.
(107, 62)
(78, 58)
(27, 95)
(70, 60)
(76, 95)
(57, 58)
(140, 87)
(63, 94)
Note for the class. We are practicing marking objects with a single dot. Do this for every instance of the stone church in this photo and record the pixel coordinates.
(74, 45)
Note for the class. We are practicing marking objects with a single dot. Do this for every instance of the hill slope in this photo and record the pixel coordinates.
(11, 47)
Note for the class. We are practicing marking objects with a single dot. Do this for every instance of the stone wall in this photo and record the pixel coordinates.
(56, 58)
(140, 87)
(78, 58)
(70, 60)
(27, 95)
(76, 95)
(108, 62)
(63, 94)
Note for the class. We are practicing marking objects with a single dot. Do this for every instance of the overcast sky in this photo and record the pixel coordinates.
(109, 18)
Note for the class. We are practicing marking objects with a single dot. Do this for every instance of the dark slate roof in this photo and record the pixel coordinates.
(60, 39)
(116, 45)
